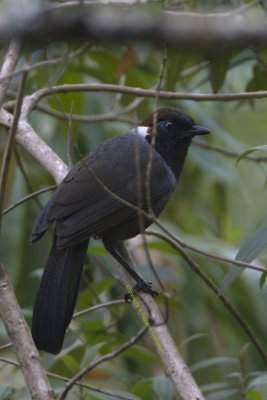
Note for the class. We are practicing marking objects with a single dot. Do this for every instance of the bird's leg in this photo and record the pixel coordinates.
(141, 285)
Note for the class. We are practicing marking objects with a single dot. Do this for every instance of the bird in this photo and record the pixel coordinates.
(110, 195)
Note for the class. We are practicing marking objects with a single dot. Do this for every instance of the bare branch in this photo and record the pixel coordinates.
(20, 336)
(173, 364)
(28, 197)
(200, 33)
(28, 139)
(31, 101)
(8, 68)
(98, 307)
(229, 153)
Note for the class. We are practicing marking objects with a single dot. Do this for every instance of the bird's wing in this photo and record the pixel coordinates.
(85, 202)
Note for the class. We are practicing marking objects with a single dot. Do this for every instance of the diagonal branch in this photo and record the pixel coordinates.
(173, 364)
(20, 335)
(100, 360)
(175, 243)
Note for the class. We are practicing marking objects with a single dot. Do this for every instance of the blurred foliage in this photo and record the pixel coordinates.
(217, 205)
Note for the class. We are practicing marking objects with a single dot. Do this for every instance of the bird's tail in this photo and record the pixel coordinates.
(56, 297)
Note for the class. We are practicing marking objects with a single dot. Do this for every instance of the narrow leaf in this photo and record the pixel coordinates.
(254, 245)
(251, 150)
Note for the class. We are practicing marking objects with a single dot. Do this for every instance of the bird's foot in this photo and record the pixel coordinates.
(141, 286)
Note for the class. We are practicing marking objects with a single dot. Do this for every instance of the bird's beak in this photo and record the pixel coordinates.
(199, 130)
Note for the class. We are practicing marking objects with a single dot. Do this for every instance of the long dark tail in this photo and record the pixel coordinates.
(56, 297)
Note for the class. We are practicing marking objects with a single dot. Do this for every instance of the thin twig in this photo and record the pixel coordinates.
(79, 384)
(28, 197)
(90, 387)
(185, 245)
(102, 359)
(235, 313)
(229, 153)
(10, 143)
(25, 176)
(70, 137)
(32, 100)
(41, 64)
(6, 346)
(108, 116)
(98, 307)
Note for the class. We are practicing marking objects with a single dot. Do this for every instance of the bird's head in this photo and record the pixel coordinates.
(170, 124)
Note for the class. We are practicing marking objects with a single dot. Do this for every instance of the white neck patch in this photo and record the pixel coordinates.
(141, 130)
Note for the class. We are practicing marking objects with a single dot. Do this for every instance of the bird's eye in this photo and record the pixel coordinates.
(168, 125)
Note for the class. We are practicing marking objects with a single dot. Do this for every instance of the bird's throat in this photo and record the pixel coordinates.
(174, 154)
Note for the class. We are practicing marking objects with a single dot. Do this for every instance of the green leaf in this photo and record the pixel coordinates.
(218, 67)
(214, 387)
(259, 80)
(193, 338)
(164, 388)
(259, 381)
(251, 150)
(224, 394)
(7, 392)
(211, 362)
(254, 245)
(263, 279)
(140, 353)
(253, 395)
(70, 363)
(144, 389)
(174, 65)
(211, 163)
(91, 353)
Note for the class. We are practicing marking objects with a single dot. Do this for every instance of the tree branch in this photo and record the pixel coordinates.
(31, 101)
(21, 338)
(173, 364)
(8, 67)
(32, 143)
(200, 33)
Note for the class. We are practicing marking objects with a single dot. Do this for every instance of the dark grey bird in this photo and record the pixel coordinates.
(100, 197)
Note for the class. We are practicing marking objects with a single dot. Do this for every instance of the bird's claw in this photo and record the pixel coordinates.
(141, 286)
